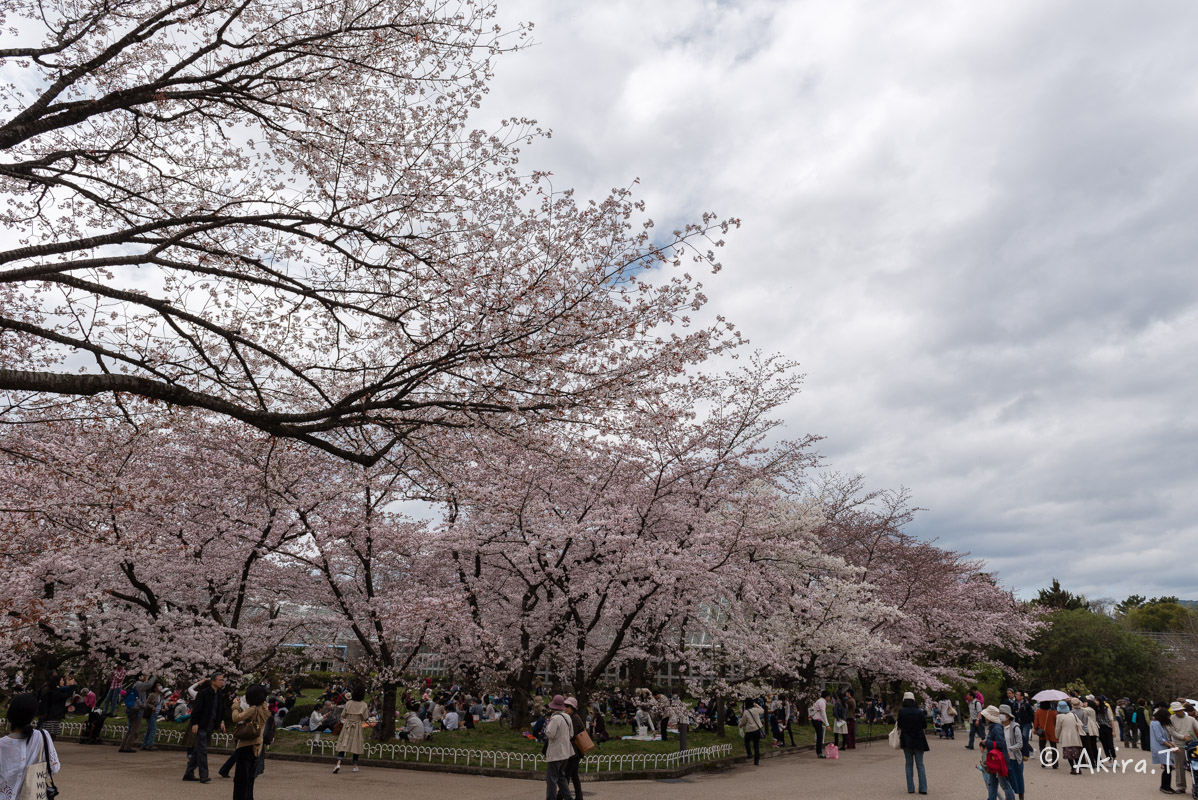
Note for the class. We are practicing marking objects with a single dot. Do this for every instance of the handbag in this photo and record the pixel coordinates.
(584, 743)
(38, 783)
(841, 727)
(832, 751)
(895, 738)
(337, 727)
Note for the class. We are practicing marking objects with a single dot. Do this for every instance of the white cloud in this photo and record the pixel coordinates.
(972, 223)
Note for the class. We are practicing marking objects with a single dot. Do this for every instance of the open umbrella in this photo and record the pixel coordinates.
(1050, 695)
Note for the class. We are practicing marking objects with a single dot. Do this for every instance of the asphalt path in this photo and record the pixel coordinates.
(870, 771)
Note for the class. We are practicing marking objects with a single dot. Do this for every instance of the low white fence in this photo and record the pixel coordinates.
(429, 754)
(73, 730)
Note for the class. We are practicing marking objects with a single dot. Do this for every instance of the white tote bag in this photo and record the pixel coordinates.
(895, 738)
(37, 774)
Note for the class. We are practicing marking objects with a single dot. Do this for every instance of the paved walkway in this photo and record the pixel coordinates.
(101, 773)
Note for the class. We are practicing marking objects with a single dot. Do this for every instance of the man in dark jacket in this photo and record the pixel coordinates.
(207, 713)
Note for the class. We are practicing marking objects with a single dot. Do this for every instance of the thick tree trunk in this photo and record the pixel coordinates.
(384, 730)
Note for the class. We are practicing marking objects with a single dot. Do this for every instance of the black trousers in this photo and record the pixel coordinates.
(819, 736)
(247, 770)
(572, 774)
(753, 746)
(1107, 737)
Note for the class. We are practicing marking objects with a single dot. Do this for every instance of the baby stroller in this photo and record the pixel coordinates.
(93, 727)
(1191, 759)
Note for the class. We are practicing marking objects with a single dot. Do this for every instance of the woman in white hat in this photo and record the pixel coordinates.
(996, 740)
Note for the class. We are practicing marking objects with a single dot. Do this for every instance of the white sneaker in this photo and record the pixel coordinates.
(355, 769)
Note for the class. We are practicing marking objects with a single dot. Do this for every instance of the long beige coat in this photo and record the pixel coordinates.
(1069, 730)
(350, 740)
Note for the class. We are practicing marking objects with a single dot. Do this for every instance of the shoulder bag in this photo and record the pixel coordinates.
(38, 783)
(895, 738)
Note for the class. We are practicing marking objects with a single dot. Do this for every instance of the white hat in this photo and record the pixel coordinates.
(990, 713)
(908, 696)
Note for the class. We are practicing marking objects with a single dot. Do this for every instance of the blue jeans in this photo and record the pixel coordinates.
(973, 731)
(914, 759)
(111, 701)
(993, 782)
(151, 731)
(1015, 775)
(1026, 730)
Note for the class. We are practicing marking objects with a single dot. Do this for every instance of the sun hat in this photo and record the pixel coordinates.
(1175, 707)
(1075, 702)
(558, 703)
(1062, 707)
(908, 695)
(1005, 709)
(572, 703)
(990, 713)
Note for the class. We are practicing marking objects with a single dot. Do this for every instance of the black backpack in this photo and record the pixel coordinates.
(268, 733)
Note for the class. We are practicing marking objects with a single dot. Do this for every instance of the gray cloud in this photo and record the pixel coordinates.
(972, 223)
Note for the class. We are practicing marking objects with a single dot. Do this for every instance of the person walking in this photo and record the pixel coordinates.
(990, 723)
(819, 721)
(1069, 737)
(973, 701)
(752, 727)
(1025, 715)
(1089, 718)
(1164, 752)
(1182, 730)
(948, 716)
(249, 723)
(1014, 736)
(559, 747)
(1045, 724)
(24, 746)
(207, 714)
(579, 726)
(912, 722)
(135, 708)
(1106, 727)
(352, 720)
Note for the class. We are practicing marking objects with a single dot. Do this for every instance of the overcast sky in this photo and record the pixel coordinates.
(974, 224)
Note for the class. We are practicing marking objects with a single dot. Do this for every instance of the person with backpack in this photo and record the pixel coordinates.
(24, 746)
(135, 707)
(995, 755)
(249, 721)
(559, 748)
(973, 701)
(911, 723)
(1014, 736)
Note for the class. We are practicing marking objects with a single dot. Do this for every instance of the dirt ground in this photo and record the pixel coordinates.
(874, 771)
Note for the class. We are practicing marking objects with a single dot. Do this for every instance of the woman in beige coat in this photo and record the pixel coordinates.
(1069, 736)
(352, 720)
(249, 725)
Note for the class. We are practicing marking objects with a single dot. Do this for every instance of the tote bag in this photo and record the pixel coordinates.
(38, 783)
(895, 738)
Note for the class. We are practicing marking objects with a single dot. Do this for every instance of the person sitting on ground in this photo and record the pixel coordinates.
(413, 730)
(451, 719)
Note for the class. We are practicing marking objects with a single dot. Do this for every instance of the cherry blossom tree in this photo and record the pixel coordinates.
(277, 211)
(374, 573)
(578, 551)
(151, 546)
(954, 615)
